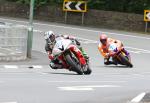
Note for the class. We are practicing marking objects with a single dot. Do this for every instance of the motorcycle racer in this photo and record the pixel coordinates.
(104, 45)
(50, 38)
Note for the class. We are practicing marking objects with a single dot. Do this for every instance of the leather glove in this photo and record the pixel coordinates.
(77, 42)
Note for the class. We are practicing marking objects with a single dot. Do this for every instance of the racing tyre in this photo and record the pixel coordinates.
(88, 71)
(75, 67)
(125, 61)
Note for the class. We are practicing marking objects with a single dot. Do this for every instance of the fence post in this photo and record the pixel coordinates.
(30, 30)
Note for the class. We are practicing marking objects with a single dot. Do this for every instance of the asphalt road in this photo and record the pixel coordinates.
(32, 81)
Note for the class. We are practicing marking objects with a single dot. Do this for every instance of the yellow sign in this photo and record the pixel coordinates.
(146, 15)
(75, 5)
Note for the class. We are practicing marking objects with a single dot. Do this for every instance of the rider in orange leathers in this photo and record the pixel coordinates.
(104, 45)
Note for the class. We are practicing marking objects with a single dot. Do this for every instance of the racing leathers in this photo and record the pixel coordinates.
(105, 53)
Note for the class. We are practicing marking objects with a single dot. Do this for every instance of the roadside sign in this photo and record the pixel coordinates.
(146, 15)
(75, 5)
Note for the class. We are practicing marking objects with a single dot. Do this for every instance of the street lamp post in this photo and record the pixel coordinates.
(30, 29)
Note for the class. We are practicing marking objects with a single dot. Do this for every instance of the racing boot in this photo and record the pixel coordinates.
(55, 65)
(84, 54)
(107, 62)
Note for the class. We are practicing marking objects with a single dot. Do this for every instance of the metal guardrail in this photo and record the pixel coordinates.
(13, 42)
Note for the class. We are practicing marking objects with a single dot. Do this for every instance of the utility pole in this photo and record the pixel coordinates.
(30, 29)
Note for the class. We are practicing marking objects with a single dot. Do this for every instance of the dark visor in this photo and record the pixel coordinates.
(103, 41)
(52, 38)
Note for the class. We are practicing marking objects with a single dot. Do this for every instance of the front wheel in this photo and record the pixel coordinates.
(74, 66)
(88, 71)
(125, 60)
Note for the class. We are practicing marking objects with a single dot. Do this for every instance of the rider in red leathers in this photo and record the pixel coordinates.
(50, 38)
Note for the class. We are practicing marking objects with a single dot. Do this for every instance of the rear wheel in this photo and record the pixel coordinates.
(75, 66)
(125, 60)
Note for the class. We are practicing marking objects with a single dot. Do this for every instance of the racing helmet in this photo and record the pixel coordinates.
(103, 39)
(49, 37)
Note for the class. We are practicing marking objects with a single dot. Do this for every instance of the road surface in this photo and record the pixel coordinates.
(32, 81)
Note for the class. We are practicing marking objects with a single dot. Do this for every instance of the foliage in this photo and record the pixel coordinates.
(134, 6)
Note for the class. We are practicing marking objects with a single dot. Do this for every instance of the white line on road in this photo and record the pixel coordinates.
(38, 31)
(37, 66)
(22, 66)
(140, 50)
(138, 98)
(75, 28)
(8, 102)
(11, 66)
(94, 41)
(87, 81)
(86, 88)
(137, 52)
(75, 88)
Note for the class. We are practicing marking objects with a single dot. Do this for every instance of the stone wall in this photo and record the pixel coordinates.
(93, 18)
(13, 42)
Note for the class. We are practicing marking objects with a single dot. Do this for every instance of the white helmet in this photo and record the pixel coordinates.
(49, 36)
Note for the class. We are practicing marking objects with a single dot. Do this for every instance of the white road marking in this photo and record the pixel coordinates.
(75, 28)
(138, 49)
(138, 98)
(37, 66)
(86, 88)
(87, 81)
(138, 75)
(137, 52)
(8, 102)
(41, 73)
(38, 31)
(11, 66)
(21, 66)
(88, 40)
(75, 88)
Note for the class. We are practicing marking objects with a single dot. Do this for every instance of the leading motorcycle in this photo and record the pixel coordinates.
(70, 56)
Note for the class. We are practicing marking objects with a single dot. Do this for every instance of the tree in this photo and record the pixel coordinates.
(133, 6)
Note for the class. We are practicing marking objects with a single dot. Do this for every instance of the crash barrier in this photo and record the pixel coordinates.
(13, 42)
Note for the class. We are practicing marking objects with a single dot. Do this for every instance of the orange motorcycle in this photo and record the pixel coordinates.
(119, 55)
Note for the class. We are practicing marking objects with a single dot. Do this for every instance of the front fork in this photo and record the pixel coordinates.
(127, 54)
(61, 58)
(79, 55)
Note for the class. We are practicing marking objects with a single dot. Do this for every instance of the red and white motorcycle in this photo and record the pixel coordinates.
(70, 56)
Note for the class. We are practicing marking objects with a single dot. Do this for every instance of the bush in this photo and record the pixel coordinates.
(133, 6)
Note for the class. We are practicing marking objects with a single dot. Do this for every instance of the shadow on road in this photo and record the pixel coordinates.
(113, 66)
(62, 73)
(118, 66)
